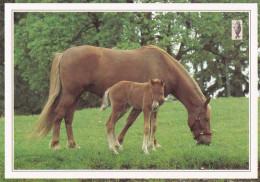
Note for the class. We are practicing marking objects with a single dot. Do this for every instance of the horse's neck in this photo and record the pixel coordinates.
(189, 94)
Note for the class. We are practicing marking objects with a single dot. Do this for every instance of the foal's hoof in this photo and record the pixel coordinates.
(114, 150)
(157, 145)
(146, 152)
(120, 147)
(154, 149)
(120, 140)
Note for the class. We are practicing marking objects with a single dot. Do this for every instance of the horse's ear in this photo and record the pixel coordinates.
(206, 102)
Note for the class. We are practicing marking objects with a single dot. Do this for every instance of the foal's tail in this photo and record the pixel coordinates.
(105, 101)
(44, 122)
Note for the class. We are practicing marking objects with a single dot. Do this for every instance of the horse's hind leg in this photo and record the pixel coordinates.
(68, 123)
(129, 121)
(63, 106)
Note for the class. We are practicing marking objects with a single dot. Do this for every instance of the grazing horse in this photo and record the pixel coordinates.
(146, 96)
(95, 69)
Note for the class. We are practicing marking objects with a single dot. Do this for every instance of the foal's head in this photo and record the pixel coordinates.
(157, 92)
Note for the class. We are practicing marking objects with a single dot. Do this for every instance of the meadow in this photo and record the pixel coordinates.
(229, 148)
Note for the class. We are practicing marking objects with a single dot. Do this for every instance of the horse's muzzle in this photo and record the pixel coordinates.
(204, 140)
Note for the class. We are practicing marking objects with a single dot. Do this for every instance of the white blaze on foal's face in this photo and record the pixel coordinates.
(155, 105)
(157, 92)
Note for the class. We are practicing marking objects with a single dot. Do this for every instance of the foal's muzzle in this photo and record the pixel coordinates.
(155, 105)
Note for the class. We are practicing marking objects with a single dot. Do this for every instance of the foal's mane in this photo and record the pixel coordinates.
(186, 73)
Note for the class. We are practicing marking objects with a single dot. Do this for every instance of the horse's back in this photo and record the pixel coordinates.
(97, 69)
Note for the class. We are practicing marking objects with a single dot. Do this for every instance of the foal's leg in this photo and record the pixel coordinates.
(116, 143)
(153, 130)
(68, 123)
(110, 125)
(120, 115)
(146, 131)
(156, 144)
(129, 121)
(63, 106)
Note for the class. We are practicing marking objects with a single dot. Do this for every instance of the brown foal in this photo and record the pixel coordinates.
(147, 96)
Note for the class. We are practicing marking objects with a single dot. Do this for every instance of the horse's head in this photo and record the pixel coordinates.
(199, 123)
(157, 92)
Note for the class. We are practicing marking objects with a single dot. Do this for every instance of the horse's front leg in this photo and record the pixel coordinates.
(146, 130)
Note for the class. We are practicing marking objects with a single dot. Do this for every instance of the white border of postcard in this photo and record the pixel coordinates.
(136, 174)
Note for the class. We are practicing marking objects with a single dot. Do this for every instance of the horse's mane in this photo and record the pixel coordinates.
(195, 84)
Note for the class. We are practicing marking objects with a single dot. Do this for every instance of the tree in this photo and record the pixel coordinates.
(198, 40)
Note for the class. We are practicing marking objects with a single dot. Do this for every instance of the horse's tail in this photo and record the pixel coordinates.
(105, 101)
(44, 122)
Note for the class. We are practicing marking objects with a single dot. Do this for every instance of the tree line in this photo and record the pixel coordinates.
(201, 42)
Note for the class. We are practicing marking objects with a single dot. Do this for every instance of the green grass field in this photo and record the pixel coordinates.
(229, 148)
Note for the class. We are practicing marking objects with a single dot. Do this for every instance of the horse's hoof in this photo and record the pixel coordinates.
(73, 146)
(76, 147)
(55, 146)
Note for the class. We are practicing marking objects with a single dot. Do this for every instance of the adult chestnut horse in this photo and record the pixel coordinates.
(95, 69)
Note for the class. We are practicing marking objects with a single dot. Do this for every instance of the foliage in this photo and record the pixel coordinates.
(201, 42)
(203, 48)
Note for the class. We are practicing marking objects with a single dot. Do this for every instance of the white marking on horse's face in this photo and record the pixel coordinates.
(155, 105)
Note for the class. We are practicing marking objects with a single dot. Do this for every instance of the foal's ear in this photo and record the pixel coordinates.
(152, 82)
(163, 83)
(206, 102)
